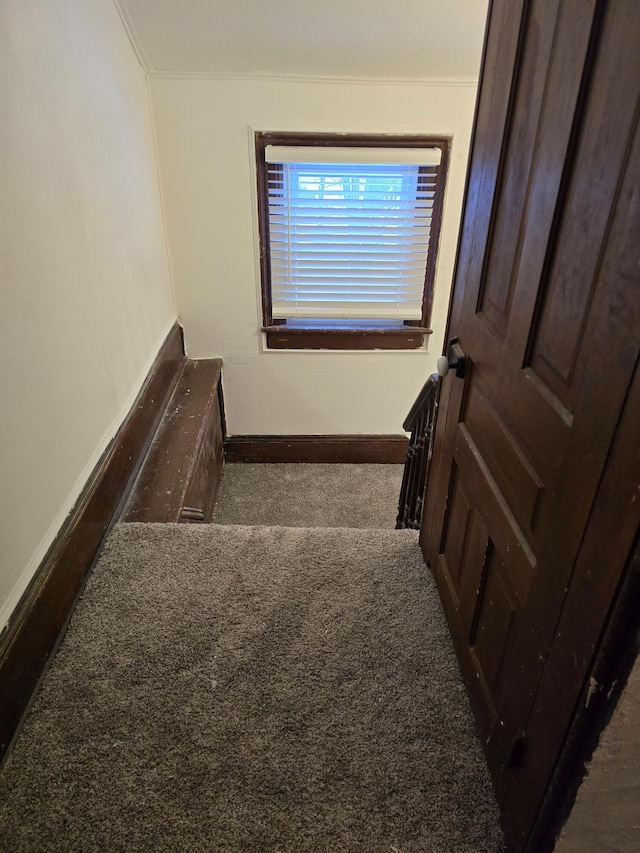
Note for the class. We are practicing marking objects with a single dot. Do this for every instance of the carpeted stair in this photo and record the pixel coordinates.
(233, 688)
(311, 495)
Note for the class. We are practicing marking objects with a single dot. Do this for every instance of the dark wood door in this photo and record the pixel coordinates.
(546, 307)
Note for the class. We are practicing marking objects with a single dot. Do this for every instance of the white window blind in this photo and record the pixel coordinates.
(349, 236)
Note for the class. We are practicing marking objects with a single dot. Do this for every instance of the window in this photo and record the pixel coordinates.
(349, 229)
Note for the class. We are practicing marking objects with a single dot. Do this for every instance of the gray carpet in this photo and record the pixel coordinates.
(252, 689)
(309, 495)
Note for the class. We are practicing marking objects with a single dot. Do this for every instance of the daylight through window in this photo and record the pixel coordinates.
(348, 240)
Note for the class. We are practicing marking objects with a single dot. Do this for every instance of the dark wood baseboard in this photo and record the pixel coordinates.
(43, 611)
(179, 478)
(380, 449)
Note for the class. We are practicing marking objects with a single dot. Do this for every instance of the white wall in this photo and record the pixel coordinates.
(207, 173)
(86, 295)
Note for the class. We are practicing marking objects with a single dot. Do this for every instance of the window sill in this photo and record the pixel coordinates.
(345, 337)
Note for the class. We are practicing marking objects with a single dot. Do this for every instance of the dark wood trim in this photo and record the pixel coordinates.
(43, 611)
(434, 242)
(179, 478)
(353, 140)
(262, 189)
(375, 449)
(285, 337)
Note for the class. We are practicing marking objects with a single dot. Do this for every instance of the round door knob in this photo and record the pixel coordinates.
(442, 365)
(456, 360)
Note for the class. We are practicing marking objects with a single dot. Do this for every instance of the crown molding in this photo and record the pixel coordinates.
(133, 36)
(314, 78)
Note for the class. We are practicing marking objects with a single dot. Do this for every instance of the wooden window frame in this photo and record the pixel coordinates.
(408, 334)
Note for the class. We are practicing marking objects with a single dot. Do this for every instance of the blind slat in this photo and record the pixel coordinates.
(349, 241)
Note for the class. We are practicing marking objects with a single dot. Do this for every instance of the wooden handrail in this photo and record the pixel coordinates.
(419, 422)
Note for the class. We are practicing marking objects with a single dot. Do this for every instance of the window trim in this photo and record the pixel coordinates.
(408, 334)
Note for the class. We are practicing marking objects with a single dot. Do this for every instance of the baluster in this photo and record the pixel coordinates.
(419, 423)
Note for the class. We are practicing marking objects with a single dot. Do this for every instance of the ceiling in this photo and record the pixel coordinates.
(403, 39)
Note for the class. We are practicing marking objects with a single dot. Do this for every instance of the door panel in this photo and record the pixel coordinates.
(496, 295)
(495, 623)
(556, 340)
(514, 475)
(551, 337)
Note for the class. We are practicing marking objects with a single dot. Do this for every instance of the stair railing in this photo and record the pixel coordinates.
(419, 422)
